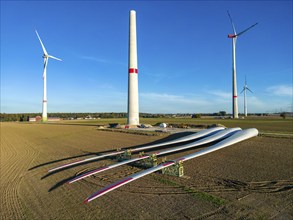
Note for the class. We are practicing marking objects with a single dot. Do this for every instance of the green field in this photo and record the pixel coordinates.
(274, 125)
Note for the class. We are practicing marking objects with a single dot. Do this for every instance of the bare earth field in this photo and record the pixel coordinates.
(249, 180)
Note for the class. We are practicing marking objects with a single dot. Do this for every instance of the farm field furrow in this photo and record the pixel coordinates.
(16, 156)
(251, 179)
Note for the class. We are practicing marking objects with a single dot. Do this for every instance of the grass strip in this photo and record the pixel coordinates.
(200, 195)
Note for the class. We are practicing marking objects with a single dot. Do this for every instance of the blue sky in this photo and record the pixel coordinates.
(184, 55)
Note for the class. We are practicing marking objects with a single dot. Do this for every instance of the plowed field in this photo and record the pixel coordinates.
(251, 179)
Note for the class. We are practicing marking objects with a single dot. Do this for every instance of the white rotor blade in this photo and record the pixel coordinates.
(55, 58)
(246, 29)
(232, 23)
(200, 134)
(233, 139)
(249, 89)
(211, 138)
(45, 52)
(45, 66)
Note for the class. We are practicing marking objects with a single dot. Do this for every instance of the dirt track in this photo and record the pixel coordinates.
(252, 179)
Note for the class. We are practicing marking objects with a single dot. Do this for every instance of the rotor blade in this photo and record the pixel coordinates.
(232, 22)
(199, 134)
(214, 137)
(246, 29)
(235, 138)
(242, 90)
(249, 89)
(45, 52)
(55, 58)
(45, 66)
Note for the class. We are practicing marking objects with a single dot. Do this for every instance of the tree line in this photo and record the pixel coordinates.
(71, 116)
(25, 116)
(21, 117)
(5, 117)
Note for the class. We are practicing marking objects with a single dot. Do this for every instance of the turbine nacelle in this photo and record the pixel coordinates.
(232, 35)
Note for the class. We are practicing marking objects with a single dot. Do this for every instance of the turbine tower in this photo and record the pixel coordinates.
(245, 101)
(133, 112)
(234, 81)
(46, 57)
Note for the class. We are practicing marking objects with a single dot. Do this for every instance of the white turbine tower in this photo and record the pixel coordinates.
(234, 87)
(245, 101)
(46, 57)
(133, 112)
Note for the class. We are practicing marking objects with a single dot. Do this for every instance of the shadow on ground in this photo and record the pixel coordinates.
(168, 138)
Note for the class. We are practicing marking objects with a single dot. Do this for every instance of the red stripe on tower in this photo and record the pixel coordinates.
(234, 96)
(133, 70)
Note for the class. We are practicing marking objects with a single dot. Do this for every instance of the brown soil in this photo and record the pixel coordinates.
(252, 179)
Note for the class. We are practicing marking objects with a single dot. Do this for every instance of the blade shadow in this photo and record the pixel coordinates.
(133, 164)
(60, 183)
(168, 138)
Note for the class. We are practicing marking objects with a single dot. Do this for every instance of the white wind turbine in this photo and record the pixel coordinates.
(46, 57)
(245, 101)
(234, 88)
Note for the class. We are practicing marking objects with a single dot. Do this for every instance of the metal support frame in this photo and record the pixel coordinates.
(174, 170)
(125, 156)
(149, 162)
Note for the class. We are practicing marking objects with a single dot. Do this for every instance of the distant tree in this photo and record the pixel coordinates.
(222, 113)
(283, 115)
(196, 116)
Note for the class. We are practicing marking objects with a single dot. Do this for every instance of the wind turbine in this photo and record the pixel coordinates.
(234, 81)
(46, 57)
(245, 101)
